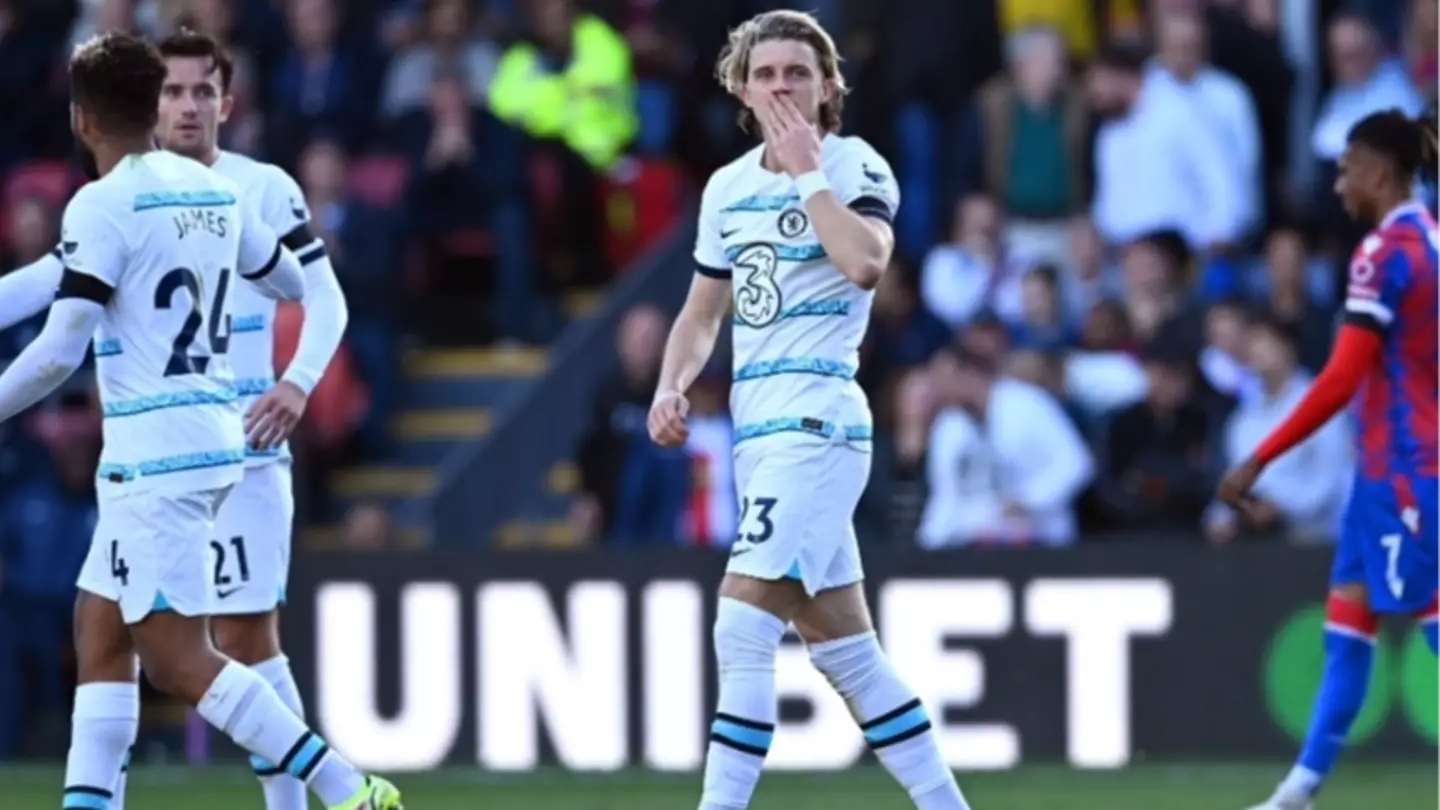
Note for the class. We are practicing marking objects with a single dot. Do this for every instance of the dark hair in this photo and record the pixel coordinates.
(1277, 326)
(1161, 350)
(969, 359)
(1123, 57)
(1410, 143)
(188, 43)
(1046, 274)
(1232, 303)
(116, 78)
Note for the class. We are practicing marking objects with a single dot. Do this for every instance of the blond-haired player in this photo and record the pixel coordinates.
(797, 233)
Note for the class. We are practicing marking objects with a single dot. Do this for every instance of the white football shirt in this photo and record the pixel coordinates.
(280, 204)
(798, 321)
(157, 241)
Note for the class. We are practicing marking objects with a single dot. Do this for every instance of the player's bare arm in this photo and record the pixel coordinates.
(688, 349)
(858, 246)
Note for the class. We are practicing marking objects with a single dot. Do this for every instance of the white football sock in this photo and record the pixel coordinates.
(746, 640)
(117, 802)
(895, 723)
(282, 791)
(245, 707)
(102, 729)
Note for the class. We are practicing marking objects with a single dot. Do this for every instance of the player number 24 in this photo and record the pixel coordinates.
(762, 517)
(183, 278)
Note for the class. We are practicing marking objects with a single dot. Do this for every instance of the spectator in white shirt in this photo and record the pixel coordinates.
(1367, 80)
(1224, 361)
(1005, 463)
(1219, 99)
(1103, 375)
(1154, 168)
(972, 272)
(1301, 494)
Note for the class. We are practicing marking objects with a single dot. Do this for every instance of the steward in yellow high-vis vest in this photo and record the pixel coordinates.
(588, 102)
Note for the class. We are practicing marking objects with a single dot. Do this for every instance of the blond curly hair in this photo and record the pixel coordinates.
(733, 67)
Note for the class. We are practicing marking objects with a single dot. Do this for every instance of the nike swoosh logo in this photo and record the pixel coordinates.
(729, 233)
(227, 594)
(737, 552)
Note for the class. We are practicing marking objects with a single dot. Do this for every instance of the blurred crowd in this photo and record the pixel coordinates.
(1117, 256)
(1117, 270)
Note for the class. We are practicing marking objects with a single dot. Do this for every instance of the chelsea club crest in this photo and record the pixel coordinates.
(793, 222)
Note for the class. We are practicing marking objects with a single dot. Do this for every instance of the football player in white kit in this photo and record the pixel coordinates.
(251, 546)
(149, 250)
(797, 232)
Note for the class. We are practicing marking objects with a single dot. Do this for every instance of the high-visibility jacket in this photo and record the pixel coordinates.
(590, 105)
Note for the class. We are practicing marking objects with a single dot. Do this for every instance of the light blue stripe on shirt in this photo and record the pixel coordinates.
(824, 367)
(171, 464)
(247, 323)
(183, 199)
(253, 386)
(762, 202)
(174, 399)
(796, 424)
(809, 309)
(788, 253)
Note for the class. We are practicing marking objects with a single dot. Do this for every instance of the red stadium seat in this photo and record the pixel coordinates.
(639, 206)
(49, 179)
(379, 180)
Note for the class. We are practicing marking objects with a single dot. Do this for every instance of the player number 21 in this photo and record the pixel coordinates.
(762, 517)
(183, 278)
(1392, 544)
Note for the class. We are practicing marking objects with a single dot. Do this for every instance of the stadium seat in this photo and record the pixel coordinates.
(639, 205)
(379, 180)
(467, 243)
(50, 180)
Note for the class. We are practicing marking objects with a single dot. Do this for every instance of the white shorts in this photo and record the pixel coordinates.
(797, 499)
(250, 552)
(150, 552)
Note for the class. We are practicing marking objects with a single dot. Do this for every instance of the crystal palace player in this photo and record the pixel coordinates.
(1385, 352)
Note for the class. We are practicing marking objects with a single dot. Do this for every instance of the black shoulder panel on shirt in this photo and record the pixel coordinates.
(873, 207)
(74, 284)
(298, 238)
(1367, 322)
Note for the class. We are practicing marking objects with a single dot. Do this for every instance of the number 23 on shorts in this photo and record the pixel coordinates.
(762, 520)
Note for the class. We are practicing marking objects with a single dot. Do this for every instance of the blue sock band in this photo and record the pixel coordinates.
(1349, 653)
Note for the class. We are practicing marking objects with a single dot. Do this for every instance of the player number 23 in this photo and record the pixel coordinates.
(762, 519)
(183, 278)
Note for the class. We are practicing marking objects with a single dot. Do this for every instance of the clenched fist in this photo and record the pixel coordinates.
(667, 419)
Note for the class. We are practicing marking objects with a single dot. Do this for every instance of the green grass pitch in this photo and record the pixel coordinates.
(1356, 786)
